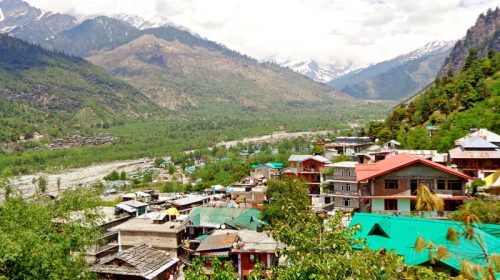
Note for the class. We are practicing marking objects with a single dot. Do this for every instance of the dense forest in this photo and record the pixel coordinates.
(447, 109)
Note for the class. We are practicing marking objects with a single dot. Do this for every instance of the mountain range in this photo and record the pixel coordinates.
(397, 78)
(314, 70)
(169, 70)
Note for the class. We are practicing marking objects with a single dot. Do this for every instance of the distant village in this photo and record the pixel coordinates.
(150, 234)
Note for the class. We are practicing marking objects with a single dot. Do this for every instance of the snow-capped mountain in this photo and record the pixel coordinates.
(396, 78)
(316, 71)
(23, 21)
(429, 49)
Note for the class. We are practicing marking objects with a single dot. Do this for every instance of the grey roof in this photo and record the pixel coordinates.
(189, 200)
(134, 203)
(485, 134)
(476, 142)
(125, 207)
(144, 223)
(300, 158)
(141, 261)
(350, 164)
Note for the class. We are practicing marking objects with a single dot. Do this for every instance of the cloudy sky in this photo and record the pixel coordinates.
(361, 31)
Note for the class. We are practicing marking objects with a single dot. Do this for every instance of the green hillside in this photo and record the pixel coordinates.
(453, 104)
(46, 92)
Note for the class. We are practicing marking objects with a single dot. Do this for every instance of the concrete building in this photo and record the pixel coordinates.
(341, 187)
(307, 167)
(152, 229)
(389, 186)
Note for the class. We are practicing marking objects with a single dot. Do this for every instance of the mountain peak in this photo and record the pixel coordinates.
(314, 70)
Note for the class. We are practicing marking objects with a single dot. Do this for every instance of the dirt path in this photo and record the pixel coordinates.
(75, 177)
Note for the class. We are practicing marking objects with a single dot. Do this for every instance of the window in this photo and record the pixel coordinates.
(441, 185)
(341, 172)
(348, 188)
(312, 165)
(454, 185)
(328, 200)
(391, 184)
(349, 173)
(346, 202)
(390, 204)
(254, 258)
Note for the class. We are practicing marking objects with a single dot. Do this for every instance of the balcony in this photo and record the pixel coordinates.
(340, 192)
(426, 214)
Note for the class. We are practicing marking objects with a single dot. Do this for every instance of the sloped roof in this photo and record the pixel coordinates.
(141, 261)
(409, 229)
(483, 133)
(476, 142)
(218, 242)
(301, 158)
(458, 152)
(240, 218)
(493, 180)
(373, 170)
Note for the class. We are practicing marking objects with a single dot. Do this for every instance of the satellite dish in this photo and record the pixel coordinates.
(223, 227)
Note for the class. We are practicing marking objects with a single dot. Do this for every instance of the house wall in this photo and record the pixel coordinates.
(378, 205)
(414, 172)
(247, 266)
(344, 173)
(404, 205)
(167, 241)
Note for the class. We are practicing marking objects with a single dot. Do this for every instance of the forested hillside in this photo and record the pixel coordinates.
(44, 91)
(452, 105)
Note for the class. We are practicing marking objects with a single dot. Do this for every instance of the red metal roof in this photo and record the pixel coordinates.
(373, 170)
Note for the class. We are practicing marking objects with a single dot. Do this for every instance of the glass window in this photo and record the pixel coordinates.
(346, 202)
(441, 185)
(454, 185)
(254, 258)
(348, 188)
(390, 204)
(391, 184)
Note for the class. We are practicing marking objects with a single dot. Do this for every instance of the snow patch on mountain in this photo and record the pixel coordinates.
(316, 71)
(2, 17)
(429, 48)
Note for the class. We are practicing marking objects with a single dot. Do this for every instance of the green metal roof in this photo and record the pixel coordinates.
(240, 218)
(400, 233)
(274, 165)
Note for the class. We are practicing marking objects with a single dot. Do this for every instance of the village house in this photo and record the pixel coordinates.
(386, 233)
(389, 186)
(244, 248)
(349, 146)
(476, 156)
(133, 207)
(154, 229)
(268, 170)
(341, 188)
(189, 202)
(138, 262)
(308, 168)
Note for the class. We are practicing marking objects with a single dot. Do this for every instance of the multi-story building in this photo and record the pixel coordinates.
(308, 168)
(340, 188)
(390, 185)
(476, 156)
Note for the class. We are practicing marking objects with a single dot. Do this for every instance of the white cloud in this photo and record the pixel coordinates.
(363, 31)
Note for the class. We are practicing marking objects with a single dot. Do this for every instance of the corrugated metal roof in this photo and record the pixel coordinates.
(372, 170)
(241, 218)
(218, 242)
(189, 200)
(483, 133)
(300, 158)
(409, 229)
(476, 142)
(458, 153)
